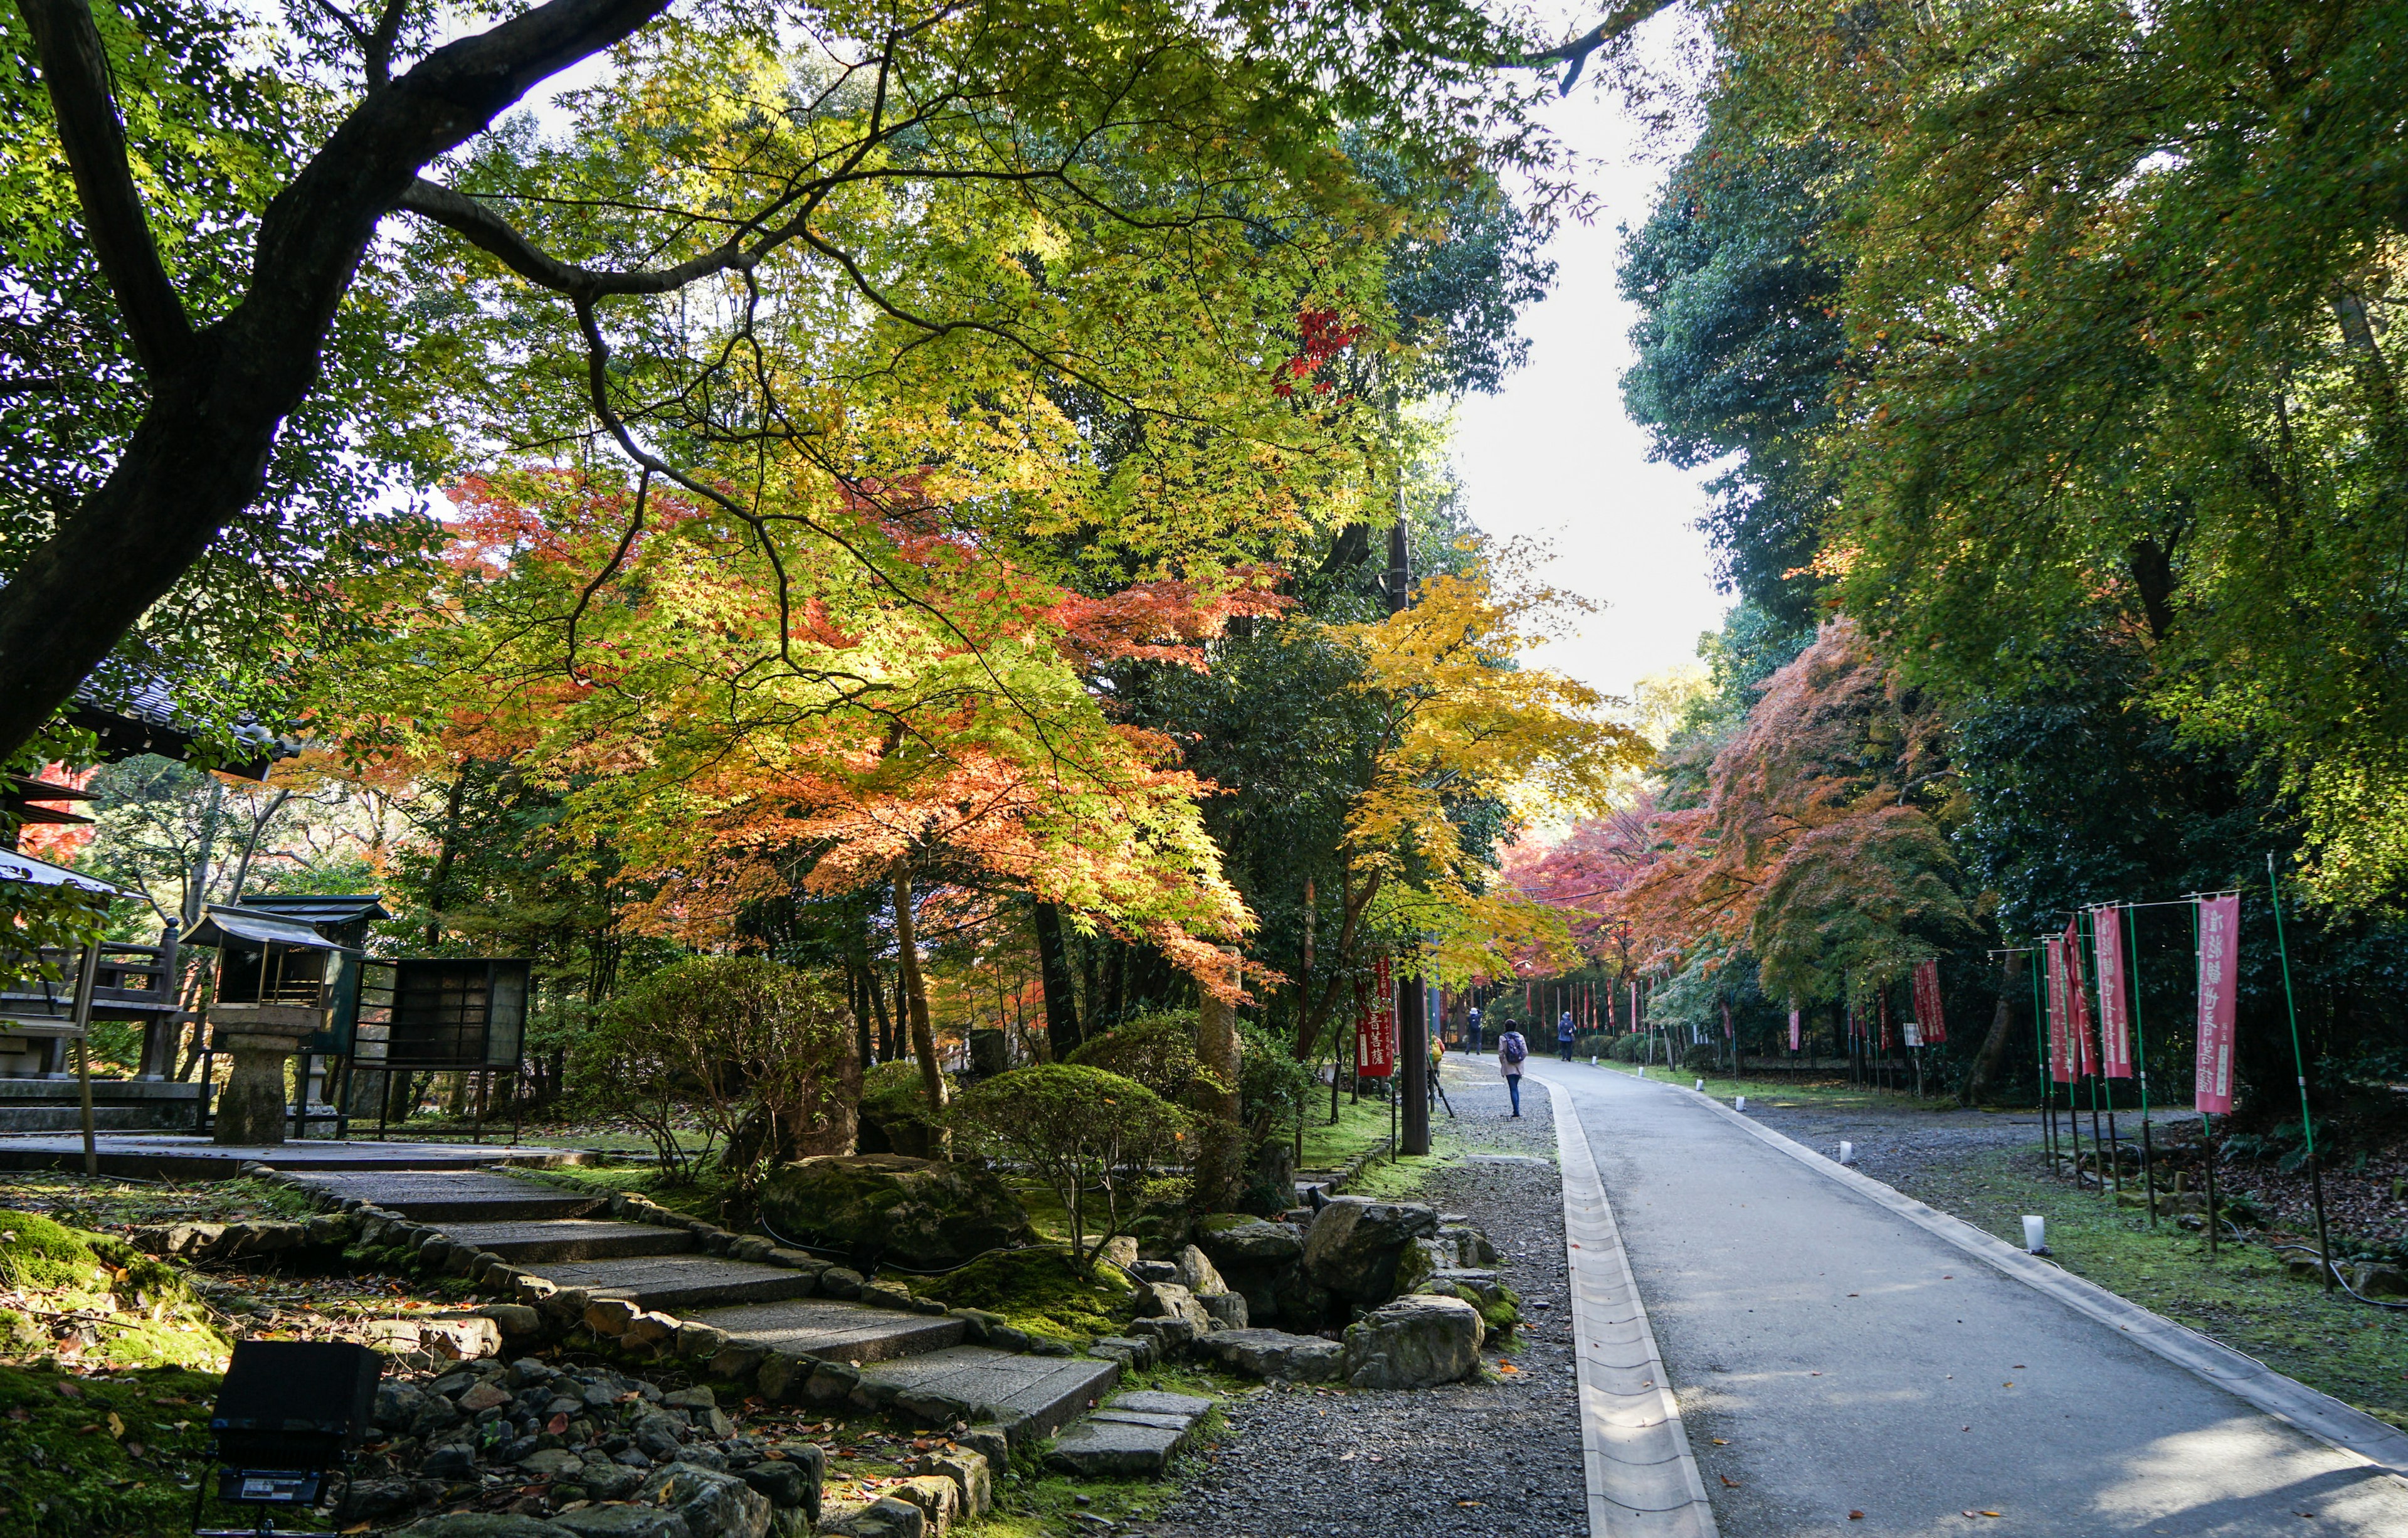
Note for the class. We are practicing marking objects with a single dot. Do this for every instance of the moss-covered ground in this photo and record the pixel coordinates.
(116, 1453)
(1038, 1290)
(108, 1205)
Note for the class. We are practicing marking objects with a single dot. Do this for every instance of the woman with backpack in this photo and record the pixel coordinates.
(1511, 1051)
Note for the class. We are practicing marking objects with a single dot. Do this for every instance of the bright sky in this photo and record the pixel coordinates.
(1554, 457)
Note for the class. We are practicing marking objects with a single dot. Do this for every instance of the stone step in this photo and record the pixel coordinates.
(454, 1196)
(681, 1284)
(1040, 1394)
(835, 1331)
(69, 1118)
(534, 1244)
(1135, 1436)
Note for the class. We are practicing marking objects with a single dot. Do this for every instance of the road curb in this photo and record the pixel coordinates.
(1643, 1476)
(2328, 1420)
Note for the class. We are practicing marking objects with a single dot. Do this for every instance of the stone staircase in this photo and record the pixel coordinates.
(743, 1311)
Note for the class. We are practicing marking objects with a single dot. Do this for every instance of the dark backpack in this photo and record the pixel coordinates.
(1512, 1047)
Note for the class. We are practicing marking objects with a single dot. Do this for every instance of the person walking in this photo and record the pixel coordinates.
(1472, 1019)
(1564, 1036)
(1511, 1051)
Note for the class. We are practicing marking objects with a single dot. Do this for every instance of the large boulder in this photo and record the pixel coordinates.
(1194, 1272)
(915, 1211)
(713, 1505)
(1413, 1343)
(1264, 1264)
(1274, 1355)
(1355, 1246)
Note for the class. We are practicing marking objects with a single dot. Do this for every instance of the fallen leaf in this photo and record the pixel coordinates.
(1855, 1516)
(1729, 1483)
(1469, 1502)
(1502, 1367)
(72, 1390)
(1994, 1513)
(116, 1427)
(1719, 1442)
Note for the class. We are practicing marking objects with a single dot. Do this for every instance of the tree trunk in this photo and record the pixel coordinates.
(445, 851)
(915, 994)
(1994, 1046)
(1053, 972)
(1219, 1158)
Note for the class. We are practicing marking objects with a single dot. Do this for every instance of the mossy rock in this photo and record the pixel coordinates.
(875, 1207)
(895, 1116)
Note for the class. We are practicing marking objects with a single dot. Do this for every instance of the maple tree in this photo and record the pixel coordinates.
(1819, 847)
(1461, 719)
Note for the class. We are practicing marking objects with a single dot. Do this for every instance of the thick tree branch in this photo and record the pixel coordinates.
(1575, 52)
(75, 72)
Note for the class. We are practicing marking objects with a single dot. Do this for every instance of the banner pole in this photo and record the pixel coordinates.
(2040, 1055)
(2300, 1063)
(2141, 1062)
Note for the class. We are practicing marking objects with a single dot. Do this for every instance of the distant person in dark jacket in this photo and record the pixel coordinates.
(1511, 1051)
(1564, 1036)
(1471, 1018)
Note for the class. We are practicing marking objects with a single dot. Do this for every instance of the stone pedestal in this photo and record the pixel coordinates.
(252, 1107)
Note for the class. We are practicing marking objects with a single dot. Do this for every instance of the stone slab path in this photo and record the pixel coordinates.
(1846, 1363)
(185, 1156)
(566, 1238)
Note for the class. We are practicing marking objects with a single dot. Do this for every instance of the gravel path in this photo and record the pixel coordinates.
(1474, 1459)
(1898, 1146)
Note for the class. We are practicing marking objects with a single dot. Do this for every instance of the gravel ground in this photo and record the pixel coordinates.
(1900, 1146)
(1491, 1457)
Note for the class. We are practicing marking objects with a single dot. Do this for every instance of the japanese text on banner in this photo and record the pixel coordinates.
(1375, 1025)
(2077, 1020)
(2219, 973)
(2060, 1068)
(2115, 1022)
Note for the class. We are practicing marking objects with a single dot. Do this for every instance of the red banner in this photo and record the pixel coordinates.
(1727, 1028)
(2114, 1004)
(2086, 1055)
(2219, 976)
(2060, 1066)
(1793, 1030)
(1926, 1003)
(1375, 1025)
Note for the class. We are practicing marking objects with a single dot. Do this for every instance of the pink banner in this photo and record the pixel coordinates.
(1726, 1030)
(2114, 1001)
(2220, 974)
(2085, 1055)
(1926, 1003)
(1793, 1030)
(2060, 1067)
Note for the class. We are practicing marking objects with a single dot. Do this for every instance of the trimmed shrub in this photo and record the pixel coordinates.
(1084, 1133)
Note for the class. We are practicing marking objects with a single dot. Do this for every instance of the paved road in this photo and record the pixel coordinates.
(1850, 1362)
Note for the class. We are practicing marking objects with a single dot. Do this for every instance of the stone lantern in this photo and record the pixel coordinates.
(275, 995)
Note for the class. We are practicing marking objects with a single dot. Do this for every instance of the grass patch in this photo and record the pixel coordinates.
(1809, 1096)
(2242, 1296)
(103, 1203)
(1038, 1290)
(1360, 1127)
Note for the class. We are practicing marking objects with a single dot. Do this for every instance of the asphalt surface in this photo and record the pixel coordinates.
(1842, 1371)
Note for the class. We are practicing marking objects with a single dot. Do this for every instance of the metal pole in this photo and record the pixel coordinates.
(86, 976)
(2300, 1063)
(2141, 1061)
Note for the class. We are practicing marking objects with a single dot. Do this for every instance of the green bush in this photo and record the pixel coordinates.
(736, 1053)
(1157, 1050)
(1631, 1048)
(1083, 1133)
